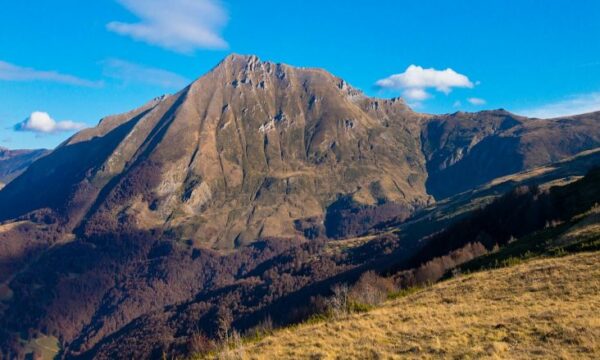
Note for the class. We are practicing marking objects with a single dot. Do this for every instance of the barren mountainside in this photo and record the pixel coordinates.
(242, 153)
(255, 149)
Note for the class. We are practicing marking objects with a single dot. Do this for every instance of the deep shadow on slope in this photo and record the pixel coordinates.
(14, 162)
(54, 178)
(515, 215)
(466, 150)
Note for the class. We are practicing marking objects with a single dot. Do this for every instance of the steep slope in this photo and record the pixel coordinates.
(522, 224)
(242, 153)
(542, 309)
(452, 210)
(465, 150)
(14, 162)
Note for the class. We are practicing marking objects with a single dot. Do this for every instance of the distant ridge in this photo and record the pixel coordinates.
(14, 162)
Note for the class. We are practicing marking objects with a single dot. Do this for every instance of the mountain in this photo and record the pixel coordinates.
(245, 152)
(465, 150)
(238, 198)
(14, 162)
(255, 150)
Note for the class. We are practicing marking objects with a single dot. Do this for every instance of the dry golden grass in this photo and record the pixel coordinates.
(587, 227)
(547, 308)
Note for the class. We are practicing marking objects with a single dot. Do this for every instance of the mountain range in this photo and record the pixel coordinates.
(246, 193)
(14, 162)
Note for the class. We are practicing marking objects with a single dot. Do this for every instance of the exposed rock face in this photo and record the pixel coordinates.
(240, 154)
(14, 162)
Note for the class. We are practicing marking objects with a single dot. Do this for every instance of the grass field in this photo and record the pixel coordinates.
(545, 308)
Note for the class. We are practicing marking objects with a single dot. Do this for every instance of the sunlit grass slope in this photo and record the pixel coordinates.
(546, 308)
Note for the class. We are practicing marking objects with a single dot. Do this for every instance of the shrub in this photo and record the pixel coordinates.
(371, 289)
(338, 303)
(358, 307)
(199, 343)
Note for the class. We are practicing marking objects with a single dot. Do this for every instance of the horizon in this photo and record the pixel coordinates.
(115, 55)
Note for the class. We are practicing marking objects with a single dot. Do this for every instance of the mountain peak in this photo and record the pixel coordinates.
(234, 57)
(237, 61)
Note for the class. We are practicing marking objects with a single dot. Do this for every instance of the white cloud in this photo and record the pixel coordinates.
(11, 72)
(476, 101)
(415, 80)
(41, 122)
(179, 25)
(457, 104)
(572, 105)
(130, 72)
(416, 94)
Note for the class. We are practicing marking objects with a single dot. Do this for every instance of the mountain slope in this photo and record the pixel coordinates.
(242, 153)
(14, 162)
(248, 190)
(540, 309)
(254, 150)
(522, 224)
(465, 150)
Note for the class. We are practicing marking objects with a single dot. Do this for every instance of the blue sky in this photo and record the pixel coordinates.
(65, 64)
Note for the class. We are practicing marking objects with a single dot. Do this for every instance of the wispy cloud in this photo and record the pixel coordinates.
(179, 25)
(476, 101)
(415, 81)
(572, 105)
(134, 73)
(41, 122)
(11, 72)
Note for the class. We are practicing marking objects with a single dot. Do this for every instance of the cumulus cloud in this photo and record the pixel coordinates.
(476, 101)
(11, 72)
(572, 105)
(41, 122)
(179, 25)
(416, 94)
(415, 81)
(130, 72)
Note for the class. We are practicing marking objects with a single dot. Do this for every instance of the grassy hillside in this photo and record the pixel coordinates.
(544, 308)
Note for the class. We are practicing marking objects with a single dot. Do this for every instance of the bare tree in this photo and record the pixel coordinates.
(224, 320)
(338, 303)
